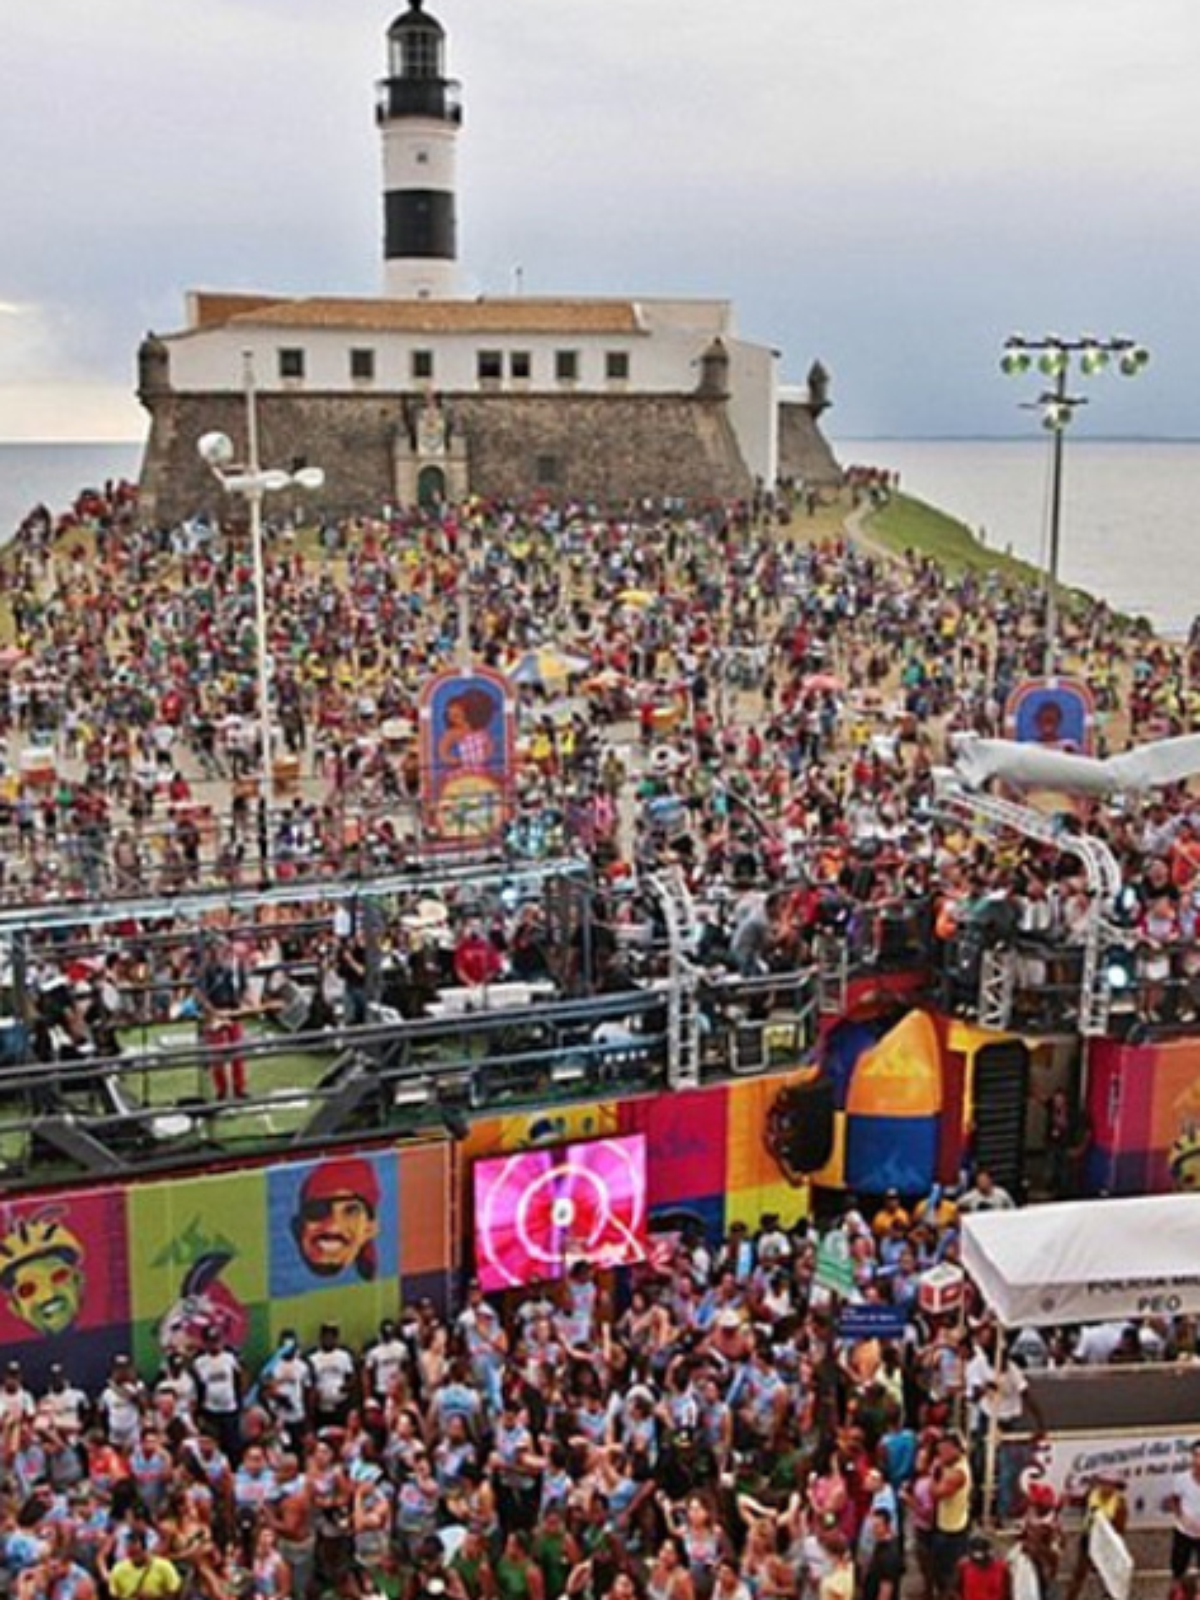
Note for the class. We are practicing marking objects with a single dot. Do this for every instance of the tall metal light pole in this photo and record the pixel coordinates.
(1055, 357)
(254, 499)
(253, 483)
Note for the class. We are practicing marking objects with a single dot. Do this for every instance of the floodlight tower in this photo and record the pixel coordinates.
(1055, 357)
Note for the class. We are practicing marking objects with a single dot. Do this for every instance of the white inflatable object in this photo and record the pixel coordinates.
(1034, 766)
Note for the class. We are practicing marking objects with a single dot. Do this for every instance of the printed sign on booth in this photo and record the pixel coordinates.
(1147, 1461)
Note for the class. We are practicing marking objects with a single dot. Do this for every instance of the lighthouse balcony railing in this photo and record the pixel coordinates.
(437, 98)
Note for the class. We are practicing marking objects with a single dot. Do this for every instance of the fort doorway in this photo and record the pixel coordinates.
(431, 486)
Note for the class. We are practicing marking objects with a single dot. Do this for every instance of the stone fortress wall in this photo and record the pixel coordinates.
(610, 448)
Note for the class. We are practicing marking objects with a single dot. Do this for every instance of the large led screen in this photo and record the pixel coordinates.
(539, 1211)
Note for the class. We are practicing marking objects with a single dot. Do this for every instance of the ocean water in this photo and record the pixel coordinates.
(1130, 526)
(53, 474)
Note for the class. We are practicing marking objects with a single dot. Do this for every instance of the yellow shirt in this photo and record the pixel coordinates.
(838, 1584)
(157, 1580)
(954, 1513)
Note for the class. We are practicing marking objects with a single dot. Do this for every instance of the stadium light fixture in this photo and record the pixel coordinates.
(1056, 357)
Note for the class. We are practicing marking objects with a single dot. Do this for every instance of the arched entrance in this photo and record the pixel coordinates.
(431, 486)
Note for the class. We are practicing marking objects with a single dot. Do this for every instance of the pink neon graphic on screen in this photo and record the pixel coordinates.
(539, 1211)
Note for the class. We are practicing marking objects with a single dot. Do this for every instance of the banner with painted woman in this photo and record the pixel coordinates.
(1056, 713)
(467, 741)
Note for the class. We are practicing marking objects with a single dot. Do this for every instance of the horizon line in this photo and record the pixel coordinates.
(846, 438)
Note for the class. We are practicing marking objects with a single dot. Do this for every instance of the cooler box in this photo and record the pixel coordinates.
(941, 1290)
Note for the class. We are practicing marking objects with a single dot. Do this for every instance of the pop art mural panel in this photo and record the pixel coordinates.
(199, 1261)
(64, 1281)
(333, 1224)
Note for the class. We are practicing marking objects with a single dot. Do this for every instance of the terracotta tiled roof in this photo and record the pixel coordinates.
(516, 316)
(214, 310)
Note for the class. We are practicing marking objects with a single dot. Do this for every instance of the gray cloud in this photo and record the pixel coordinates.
(893, 187)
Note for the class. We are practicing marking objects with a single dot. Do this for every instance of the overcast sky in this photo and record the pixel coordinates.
(890, 185)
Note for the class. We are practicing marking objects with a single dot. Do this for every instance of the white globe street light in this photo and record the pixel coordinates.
(252, 481)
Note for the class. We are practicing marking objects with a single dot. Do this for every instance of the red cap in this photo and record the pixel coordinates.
(353, 1176)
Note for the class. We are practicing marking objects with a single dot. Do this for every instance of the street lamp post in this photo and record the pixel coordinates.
(1055, 358)
(253, 483)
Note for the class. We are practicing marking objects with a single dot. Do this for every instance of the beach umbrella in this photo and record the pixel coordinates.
(636, 597)
(607, 678)
(546, 667)
(821, 683)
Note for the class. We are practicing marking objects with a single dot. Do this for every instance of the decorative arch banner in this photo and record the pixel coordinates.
(467, 753)
(1055, 713)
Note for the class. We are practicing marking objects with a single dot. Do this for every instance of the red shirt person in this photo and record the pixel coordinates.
(476, 959)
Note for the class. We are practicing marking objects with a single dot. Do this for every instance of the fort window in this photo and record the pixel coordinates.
(362, 366)
(520, 365)
(566, 366)
(490, 366)
(291, 365)
(616, 366)
(548, 472)
(422, 364)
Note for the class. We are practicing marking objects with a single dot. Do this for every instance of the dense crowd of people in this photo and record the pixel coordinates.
(764, 710)
(702, 1428)
(756, 709)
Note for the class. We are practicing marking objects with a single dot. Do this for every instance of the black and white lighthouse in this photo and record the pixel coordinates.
(419, 113)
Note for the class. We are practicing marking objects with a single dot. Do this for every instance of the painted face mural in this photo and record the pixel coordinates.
(336, 1223)
(41, 1272)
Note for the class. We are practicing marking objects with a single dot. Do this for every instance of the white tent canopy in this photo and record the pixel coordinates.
(1087, 1260)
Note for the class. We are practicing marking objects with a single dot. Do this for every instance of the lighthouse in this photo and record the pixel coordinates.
(419, 112)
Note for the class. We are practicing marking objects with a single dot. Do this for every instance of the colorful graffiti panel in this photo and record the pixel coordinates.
(1144, 1111)
(687, 1137)
(893, 1104)
(64, 1281)
(199, 1261)
(755, 1182)
(333, 1224)
(555, 1125)
(1175, 1102)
